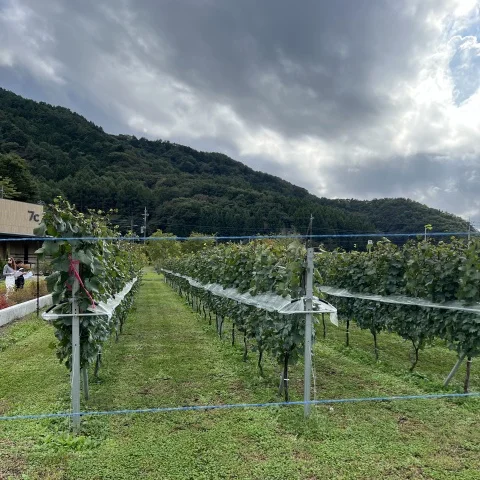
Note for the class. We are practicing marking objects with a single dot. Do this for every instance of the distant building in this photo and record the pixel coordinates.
(17, 220)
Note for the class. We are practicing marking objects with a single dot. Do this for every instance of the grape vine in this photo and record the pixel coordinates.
(104, 268)
(440, 273)
(258, 267)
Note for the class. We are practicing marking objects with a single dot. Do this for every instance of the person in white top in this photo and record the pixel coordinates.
(9, 273)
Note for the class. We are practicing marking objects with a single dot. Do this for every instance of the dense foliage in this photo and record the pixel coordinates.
(184, 190)
(8, 189)
(15, 177)
(104, 267)
(440, 273)
(257, 267)
(400, 215)
(163, 246)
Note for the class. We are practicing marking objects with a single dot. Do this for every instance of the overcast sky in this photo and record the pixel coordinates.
(347, 98)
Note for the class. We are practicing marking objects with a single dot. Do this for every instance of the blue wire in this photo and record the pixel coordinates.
(238, 237)
(240, 405)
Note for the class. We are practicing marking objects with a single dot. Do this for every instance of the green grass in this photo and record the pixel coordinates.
(168, 356)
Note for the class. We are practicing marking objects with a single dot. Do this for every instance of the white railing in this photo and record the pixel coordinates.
(15, 312)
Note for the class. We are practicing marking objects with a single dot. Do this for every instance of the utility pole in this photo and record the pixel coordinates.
(469, 229)
(145, 215)
(427, 227)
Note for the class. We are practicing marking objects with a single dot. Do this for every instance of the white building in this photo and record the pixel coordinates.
(17, 221)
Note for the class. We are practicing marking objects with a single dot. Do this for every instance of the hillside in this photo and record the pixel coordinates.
(184, 190)
(400, 215)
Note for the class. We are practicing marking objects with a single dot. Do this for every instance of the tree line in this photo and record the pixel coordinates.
(48, 151)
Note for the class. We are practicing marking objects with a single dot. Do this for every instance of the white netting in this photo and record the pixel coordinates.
(104, 309)
(113, 302)
(401, 300)
(265, 301)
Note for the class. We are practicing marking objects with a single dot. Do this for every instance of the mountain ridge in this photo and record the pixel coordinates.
(183, 189)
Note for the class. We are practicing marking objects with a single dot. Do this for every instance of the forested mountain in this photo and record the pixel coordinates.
(47, 151)
(400, 215)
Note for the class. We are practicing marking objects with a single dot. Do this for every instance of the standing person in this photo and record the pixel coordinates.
(9, 273)
(19, 279)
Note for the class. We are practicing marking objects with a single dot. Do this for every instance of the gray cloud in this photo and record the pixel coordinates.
(302, 68)
(346, 98)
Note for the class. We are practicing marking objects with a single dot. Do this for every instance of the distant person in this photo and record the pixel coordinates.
(19, 278)
(9, 273)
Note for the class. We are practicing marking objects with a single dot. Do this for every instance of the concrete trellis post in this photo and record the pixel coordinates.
(75, 374)
(308, 333)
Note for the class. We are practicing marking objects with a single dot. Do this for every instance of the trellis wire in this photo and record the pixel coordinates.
(432, 396)
(241, 237)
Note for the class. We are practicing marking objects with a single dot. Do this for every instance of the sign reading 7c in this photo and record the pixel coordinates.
(34, 217)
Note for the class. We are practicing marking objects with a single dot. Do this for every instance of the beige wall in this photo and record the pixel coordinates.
(19, 218)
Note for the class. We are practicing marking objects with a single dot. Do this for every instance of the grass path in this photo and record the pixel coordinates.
(169, 357)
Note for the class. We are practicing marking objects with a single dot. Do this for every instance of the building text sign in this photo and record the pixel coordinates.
(19, 218)
(34, 217)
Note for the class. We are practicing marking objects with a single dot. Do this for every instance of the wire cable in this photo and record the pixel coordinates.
(234, 237)
(433, 396)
